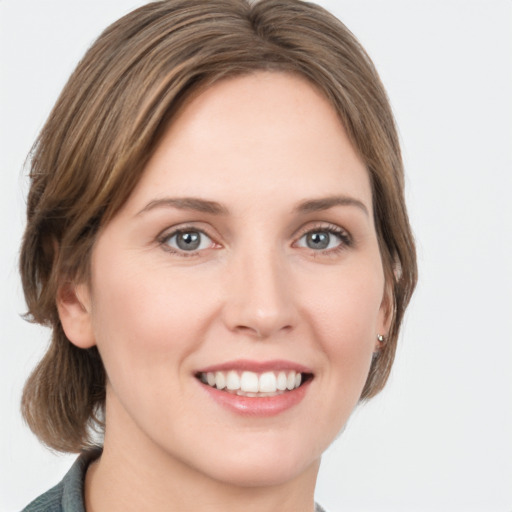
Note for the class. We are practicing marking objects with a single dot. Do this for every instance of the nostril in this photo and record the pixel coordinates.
(261, 331)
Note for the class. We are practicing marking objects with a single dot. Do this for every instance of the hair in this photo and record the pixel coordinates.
(107, 123)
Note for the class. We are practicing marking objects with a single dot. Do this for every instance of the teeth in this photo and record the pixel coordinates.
(268, 382)
(220, 380)
(233, 381)
(290, 381)
(251, 383)
(281, 381)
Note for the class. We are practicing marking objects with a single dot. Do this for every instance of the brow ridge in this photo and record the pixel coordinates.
(325, 203)
(186, 203)
(215, 208)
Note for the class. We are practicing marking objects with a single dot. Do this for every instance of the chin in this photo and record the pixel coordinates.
(260, 460)
(265, 473)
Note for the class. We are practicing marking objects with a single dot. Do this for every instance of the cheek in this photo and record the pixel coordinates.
(146, 325)
(346, 317)
(346, 304)
(341, 310)
(144, 320)
(142, 301)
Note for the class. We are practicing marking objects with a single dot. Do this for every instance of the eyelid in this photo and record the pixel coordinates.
(172, 231)
(345, 236)
(321, 226)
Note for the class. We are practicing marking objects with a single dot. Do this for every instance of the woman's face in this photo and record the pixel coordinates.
(247, 252)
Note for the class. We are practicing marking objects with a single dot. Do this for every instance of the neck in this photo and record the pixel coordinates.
(134, 473)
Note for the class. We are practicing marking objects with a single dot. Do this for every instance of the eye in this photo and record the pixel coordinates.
(324, 239)
(187, 240)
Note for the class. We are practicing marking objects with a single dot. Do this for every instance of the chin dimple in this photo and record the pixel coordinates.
(248, 383)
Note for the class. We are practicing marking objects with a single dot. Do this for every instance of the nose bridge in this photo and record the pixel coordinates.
(259, 302)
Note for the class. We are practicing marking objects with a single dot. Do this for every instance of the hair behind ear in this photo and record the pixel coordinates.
(64, 397)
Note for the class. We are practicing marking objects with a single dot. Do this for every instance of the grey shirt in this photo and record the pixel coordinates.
(68, 495)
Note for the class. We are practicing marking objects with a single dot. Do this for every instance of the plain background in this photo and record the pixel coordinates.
(439, 438)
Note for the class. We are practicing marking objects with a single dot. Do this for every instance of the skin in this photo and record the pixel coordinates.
(259, 145)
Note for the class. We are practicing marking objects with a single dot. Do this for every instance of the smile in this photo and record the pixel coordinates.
(254, 384)
(256, 388)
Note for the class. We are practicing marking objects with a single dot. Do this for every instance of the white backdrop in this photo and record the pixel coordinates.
(439, 438)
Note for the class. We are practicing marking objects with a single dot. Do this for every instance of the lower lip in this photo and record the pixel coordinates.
(258, 406)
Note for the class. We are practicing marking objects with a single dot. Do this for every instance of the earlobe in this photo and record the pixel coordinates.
(73, 305)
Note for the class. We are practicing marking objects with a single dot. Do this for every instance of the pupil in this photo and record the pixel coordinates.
(318, 240)
(188, 241)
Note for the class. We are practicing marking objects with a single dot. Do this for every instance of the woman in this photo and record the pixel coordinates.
(218, 238)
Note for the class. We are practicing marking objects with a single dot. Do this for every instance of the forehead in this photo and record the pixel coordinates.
(260, 134)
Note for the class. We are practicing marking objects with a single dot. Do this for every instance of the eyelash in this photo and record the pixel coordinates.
(167, 236)
(346, 240)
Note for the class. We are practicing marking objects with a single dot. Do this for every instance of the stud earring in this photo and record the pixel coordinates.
(380, 338)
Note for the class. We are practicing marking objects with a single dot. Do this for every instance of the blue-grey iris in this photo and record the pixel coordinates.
(318, 240)
(188, 241)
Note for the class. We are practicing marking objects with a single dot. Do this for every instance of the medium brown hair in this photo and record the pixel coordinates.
(106, 124)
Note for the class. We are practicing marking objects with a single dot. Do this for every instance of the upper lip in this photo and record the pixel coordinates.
(256, 366)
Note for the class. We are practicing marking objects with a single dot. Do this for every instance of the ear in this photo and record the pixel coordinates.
(386, 313)
(74, 307)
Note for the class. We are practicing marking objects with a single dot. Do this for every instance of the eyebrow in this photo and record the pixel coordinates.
(186, 203)
(215, 208)
(325, 203)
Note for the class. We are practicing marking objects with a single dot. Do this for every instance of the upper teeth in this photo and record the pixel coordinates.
(251, 382)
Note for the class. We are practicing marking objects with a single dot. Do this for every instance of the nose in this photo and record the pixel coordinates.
(260, 300)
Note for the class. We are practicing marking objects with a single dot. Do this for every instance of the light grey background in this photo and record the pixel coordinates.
(439, 438)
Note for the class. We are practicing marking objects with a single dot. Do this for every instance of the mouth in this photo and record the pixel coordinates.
(256, 389)
(254, 384)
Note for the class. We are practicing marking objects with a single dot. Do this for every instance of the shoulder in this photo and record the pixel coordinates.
(50, 501)
(66, 496)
